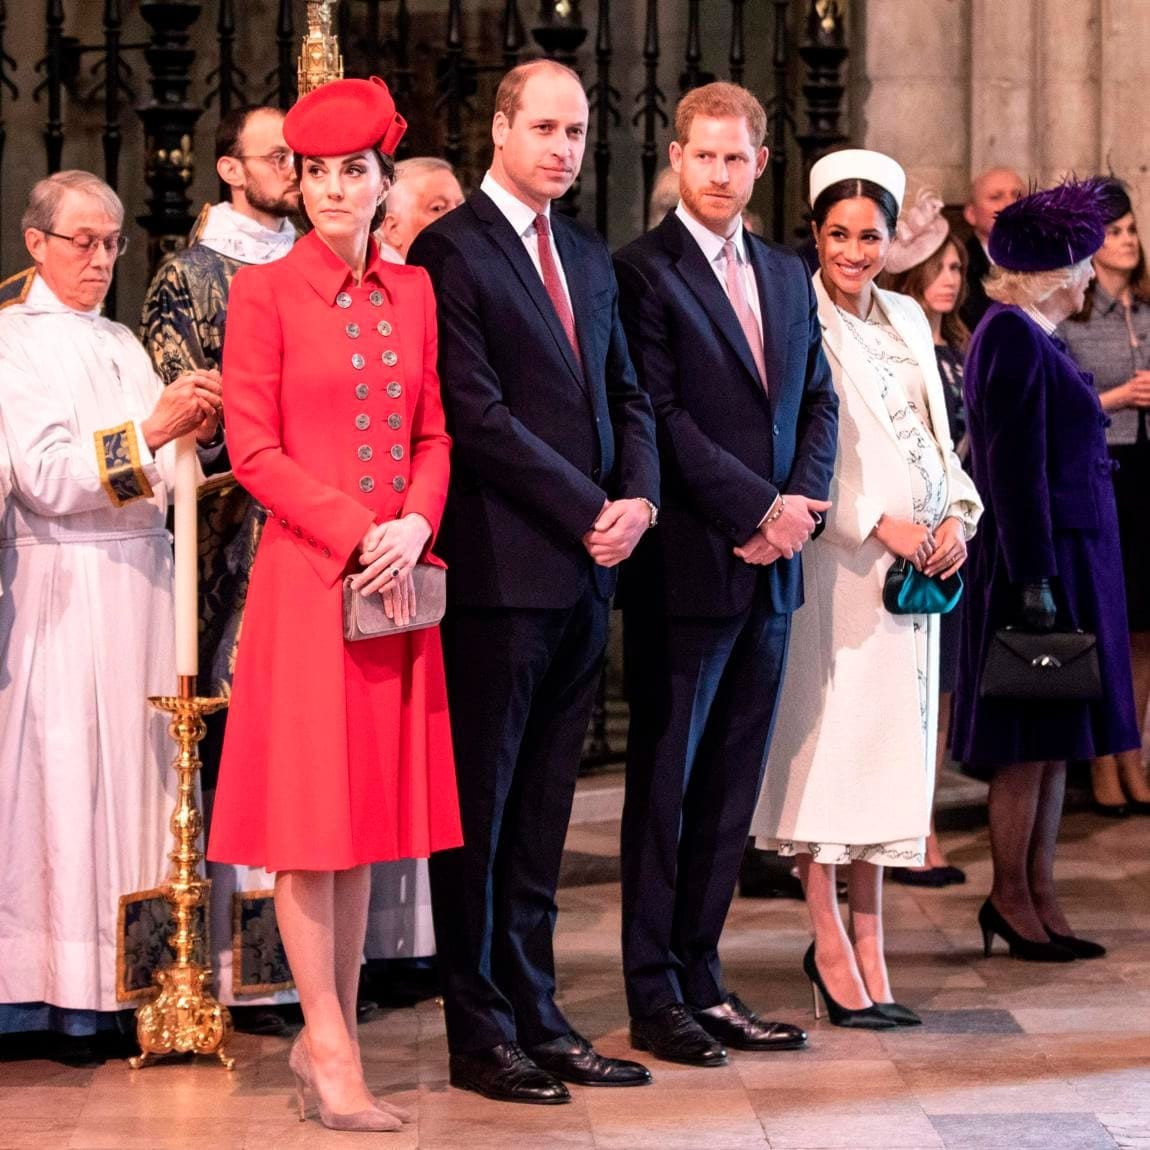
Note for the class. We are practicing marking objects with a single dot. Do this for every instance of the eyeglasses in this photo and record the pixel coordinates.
(114, 245)
(280, 159)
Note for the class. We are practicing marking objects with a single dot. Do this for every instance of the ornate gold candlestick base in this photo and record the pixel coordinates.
(184, 1017)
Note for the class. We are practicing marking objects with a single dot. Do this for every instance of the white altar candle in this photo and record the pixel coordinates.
(187, 604)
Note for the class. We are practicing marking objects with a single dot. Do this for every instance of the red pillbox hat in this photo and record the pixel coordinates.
(344, 116)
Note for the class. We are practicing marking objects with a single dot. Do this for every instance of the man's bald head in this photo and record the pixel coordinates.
(990, 192)
(425, 188)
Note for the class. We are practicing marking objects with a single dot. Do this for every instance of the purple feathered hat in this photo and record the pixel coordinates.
(1052, 228)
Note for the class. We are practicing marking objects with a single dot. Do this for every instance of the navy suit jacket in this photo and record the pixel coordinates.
(539, 444)
(727, 447)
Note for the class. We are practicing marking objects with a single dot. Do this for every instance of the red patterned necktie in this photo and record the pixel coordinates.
(554, 285)
(737, 291)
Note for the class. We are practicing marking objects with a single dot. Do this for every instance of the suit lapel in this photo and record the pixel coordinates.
(700, 277)
(840, 344)
(923, 351)
(511, 245)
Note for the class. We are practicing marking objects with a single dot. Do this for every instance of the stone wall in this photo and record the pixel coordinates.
(952, 87)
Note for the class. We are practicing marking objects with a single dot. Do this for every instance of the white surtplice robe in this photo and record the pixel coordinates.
(86, 634)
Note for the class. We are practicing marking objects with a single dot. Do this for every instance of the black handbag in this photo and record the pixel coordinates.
(1042, 667)
(907, 591)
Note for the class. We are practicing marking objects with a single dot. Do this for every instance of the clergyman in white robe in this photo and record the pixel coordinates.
(86, 634)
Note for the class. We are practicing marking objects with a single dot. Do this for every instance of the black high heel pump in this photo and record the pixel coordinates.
(866, 1018)
(993, 923)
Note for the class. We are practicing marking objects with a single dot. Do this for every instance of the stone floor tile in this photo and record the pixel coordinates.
(1130, 1131)
(972, 1021)
(56, 1102)
(900, 1129)
(670, 1118)
(34, 1134)
(1022, 1132)
(768, 1073)
(1111, 1086)
(1084, 1019)
(310, 1135)
(159, 1134)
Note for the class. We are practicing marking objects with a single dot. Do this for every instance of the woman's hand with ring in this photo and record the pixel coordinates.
(906, 539)
(949, 552)
(399, 599)
(389, 551)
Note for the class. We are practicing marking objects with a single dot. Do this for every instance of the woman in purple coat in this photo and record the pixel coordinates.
(1047, 551)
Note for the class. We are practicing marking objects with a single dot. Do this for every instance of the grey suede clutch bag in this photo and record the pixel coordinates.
(364, 617)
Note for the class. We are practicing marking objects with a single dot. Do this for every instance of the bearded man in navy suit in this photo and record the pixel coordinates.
(554, 480)
(724, 333)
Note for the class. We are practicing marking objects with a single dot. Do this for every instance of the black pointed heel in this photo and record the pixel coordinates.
(992, 923)
(898, 1014)
(866, 1018)
(1079, 947)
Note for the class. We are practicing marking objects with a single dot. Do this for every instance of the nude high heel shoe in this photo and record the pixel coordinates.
(373, 1120)
(402, 1113)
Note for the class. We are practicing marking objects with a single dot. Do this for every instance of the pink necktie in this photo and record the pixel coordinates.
(553, 284)
(737, 292)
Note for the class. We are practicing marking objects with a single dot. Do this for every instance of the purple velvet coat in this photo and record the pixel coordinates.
(1040, 462)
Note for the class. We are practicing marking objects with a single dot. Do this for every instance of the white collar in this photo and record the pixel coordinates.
(711, 243)
(519, 215)
(239, 237)
(42, 300)
(1040, 319)
(387, 253)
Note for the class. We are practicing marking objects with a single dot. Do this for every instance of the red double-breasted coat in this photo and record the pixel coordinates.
(336, 753)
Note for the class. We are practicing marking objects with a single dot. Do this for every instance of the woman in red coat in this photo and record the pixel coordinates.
(337, 754)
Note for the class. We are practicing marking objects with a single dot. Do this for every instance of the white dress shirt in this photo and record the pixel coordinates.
(521, 217)
(712, 246)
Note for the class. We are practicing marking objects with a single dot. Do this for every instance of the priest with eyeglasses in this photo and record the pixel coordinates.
(86, 616)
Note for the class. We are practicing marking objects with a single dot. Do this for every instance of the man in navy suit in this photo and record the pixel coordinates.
(554, 480)
(724, 334)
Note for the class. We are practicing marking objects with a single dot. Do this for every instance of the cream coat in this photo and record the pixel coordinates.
(849, 762)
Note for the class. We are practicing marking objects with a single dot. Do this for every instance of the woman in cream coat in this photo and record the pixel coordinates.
(850, 775)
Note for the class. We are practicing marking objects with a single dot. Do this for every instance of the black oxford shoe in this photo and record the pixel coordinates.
(506, 1074)
(673, 1035)
(572, 1058)
(736, 1024)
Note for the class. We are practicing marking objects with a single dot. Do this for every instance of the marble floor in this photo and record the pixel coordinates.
(1013, 1055)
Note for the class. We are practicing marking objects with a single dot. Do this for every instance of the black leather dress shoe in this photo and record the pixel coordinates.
(673, 1035)
(505, 1073)
(734, 1023)
(572, 1058)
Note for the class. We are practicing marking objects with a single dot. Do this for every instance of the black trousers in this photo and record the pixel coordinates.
(521, 684)
(702, 695)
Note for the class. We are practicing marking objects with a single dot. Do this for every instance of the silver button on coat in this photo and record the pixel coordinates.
(376, 298)
(357, 361)
(343, 299)
(390, 358)
(383, 327)
(363, 421)
(399, 483)
(364, 452)
(395, 389)
(367, 484)
(362, 391)
(397, 452)
(395, 421)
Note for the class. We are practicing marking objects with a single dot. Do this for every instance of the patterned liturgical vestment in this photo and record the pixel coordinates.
(183, 324)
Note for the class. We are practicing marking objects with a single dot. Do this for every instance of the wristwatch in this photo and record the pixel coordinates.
(653, 510)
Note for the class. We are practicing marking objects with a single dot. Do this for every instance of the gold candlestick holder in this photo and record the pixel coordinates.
(185, 1018)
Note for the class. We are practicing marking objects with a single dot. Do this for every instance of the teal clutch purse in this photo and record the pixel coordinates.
(907, 591)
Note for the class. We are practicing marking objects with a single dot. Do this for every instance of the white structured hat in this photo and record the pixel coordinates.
(858, 164)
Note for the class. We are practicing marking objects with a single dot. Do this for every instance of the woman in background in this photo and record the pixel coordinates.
(928, 264)
(1110, 339)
